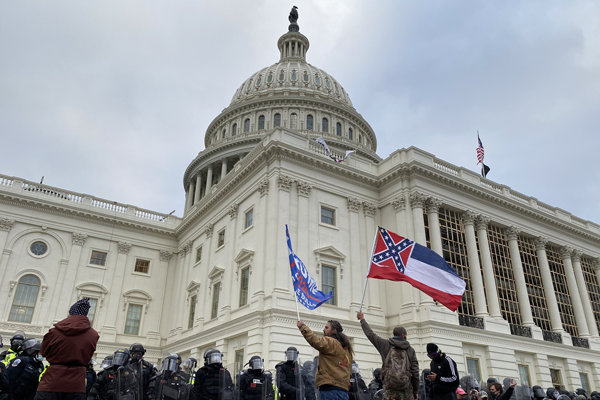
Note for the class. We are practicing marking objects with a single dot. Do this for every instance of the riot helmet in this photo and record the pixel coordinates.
(171, 362)
(121, 357)
(355, 369)
(377, 373)
(92, 363)
(552, 393)
(563, 397)
(190, 364)
(107, 362)
(137, 351)
(291, 354)
(213, 357)
(595, 395)
(308, 365)
(17, 340)
(538, 392)
(579, 391)
(31, 346)
(256, 363)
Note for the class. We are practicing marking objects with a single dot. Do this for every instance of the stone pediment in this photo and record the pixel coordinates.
(244, 255)
(193, 286)
(92, 287)
(215, 273)
(330, 251)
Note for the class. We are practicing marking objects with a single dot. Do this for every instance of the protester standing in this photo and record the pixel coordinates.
(496, 389)
(335, 360)
(400, 369)
(68, 347)
(443, 375)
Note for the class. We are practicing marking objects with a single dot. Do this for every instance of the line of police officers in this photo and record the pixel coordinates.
(127, 376)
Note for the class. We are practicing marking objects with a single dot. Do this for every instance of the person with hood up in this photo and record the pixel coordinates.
(395, 351)
(443, 375)
(68, 347)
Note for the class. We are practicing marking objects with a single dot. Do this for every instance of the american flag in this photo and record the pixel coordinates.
(398, 250)
(480, 152)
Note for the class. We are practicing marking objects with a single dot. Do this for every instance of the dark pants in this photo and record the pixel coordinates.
(59, 396)
(333, 395)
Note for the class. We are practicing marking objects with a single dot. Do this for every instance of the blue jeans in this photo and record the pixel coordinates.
(333, 395)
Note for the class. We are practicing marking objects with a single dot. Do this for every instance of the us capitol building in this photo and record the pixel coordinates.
(219, 277)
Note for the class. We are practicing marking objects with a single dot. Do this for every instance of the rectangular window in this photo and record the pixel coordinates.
(215, 301)
(327, 216)
(585, 383)
(244, 286)
(249, 219)
(142, 266)
(192, 312)
(524, 375)
(221, 239)
(98, 258)
(555, 378)
(92, 312)
(328, 283)
(239, 361)
(473, 368)
(199, 254)
(132, 322)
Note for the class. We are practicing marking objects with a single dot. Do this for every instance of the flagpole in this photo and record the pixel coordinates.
(363, 297)
(297, 309)
(367, 277)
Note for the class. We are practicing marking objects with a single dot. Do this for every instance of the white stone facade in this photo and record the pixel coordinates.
(280, 175)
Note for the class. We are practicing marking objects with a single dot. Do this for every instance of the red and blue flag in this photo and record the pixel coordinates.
(396, 258)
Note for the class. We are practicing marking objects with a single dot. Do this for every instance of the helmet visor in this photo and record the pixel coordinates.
(355, 369)
(215, 358)
(256, 363)
(169, 364)
(120, 359)
(107, 363)
(291, 355)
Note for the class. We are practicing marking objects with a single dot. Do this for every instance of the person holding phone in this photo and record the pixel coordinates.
(443, 375)
(496, 389)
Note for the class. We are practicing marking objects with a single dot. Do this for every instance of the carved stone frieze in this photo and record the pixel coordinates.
(263, 187)
(432, 205)
(399, 203)
(233, 211)
(284, 183)
(369, 209)
(481, 222)
(353, 204)
(565, 252)
(124, 247)
(468, 217)
(303, 188)
(209, 230)
(417, 200)
(79, 238)
(540, 243)
(6, 224)
(165, 255)
(512, 233)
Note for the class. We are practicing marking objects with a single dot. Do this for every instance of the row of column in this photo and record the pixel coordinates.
(582, 307)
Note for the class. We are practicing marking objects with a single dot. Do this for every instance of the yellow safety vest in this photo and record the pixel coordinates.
(44, 371)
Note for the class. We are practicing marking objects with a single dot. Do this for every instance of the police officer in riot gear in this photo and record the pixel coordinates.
(15, 348)
(105, 386)
(358, 387)
(24, 371)
(90, 376)
(3, 377)
(287, 375)
(213, 381)
(137, 352)
(189, 367)
(255, 383)
(376, 384)
(171, 383)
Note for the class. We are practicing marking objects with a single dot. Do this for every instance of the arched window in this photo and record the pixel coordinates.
(277, 120)
(305, 77)
(247, 125)
(317, 80)
(259, 80)
(350, 133)
(261, 122)
(309, 122)
(338, 129)
(294, 76)
(281, 75)
(224, 133)
(294, 121)
(24, 300)
(325, 124)
(270, 77)
(234, 130)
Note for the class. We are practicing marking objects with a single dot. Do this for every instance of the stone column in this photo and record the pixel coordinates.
(540, 247)
(184, 258)
(512, 234)
(355, 259)
(417, 202)
(5, 227)
(68, 281)
(488, 269)
(468, 219)
(189, 197)
(582, 326)
(223, 168)
(208, 180)
(198, 187)
(583, 294)
(432, 207)
(303, 190)
(282, 281)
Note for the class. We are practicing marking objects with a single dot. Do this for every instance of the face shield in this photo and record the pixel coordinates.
(169, 364)
(106, 363)
(189, 364)
(256, 364)
(120, 359)
(355, 369)
(291, 355)
(215, 358)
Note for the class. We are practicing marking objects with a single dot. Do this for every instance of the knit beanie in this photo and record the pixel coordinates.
(432, 348)
(81, 307)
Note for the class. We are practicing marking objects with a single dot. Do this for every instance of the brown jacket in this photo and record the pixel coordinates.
(68, 347)
(335, 363)
(384, 346)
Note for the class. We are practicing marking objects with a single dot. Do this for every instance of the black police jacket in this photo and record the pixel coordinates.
(23, 376)
(288, 377)
(256, 385)
(104, 385)
(212, 381)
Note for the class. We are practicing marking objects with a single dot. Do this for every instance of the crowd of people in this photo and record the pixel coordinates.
(69, 373)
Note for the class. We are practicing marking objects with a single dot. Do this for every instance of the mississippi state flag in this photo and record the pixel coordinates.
(396, 258)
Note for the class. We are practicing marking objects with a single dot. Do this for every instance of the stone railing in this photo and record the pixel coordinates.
(520, 330)
(84, 201)
(580, 342)
(471, 322)
(317, 148)
(552, 337)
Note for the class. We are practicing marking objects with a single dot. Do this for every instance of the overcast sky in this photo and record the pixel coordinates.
(112, 98)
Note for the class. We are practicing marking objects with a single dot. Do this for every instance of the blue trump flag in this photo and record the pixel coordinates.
(305, 286)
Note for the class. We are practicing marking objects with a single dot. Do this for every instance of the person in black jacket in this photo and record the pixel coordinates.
(24, 371)
(213, 381)
(255, 383)
(376, 384)
(90, 376)
(289, 375)
(443, 375)
(496, 388)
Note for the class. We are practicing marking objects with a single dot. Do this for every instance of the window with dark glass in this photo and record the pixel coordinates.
(215, 300)
(305, 77)
(142, 266)
(281, 75)
(224, 133)
(92, 311)
(247, 125)
(325, 125)
(98, 258)
(533, 280)
(338, 129)
(293, 121)
(261, 122)
(249, 220)
(327, 216)
(133, 319)
(270, 77)
(221, 238)
(473, 368)
(317, 80)
(309, 122)
(277, 120)
(591, 282)
(327, 83)
(199, 254)
(192, 312)
(294, 76)
(25, 298)
(234, 130)
(350, 133)
(244, 281)
(328, 283)
(39, 248)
